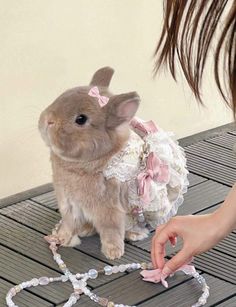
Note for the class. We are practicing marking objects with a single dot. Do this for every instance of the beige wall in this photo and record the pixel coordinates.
(47, 46)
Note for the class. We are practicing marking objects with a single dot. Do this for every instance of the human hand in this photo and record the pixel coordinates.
(199, 234)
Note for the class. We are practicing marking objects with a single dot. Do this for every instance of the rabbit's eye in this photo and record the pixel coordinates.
(81, 119)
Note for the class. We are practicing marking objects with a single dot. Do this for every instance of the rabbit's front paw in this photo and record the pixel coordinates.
(67, 239)
(75, 240)
(136, 235)
(113, 251)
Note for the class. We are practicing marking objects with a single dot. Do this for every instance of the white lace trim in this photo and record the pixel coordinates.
(165, 198)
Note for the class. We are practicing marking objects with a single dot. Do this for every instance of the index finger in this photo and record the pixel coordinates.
(158, 247)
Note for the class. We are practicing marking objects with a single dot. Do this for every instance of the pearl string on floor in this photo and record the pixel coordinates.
(79, 281)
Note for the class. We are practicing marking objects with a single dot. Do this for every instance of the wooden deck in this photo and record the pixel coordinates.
(26, 217)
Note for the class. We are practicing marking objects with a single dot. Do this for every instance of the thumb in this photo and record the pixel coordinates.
(181, 258)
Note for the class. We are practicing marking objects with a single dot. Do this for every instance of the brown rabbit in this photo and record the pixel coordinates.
(92, 149)
(82, 137)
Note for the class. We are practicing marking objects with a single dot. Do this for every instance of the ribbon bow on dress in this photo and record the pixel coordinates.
(102, 100)
(156, 170)
(143, 128)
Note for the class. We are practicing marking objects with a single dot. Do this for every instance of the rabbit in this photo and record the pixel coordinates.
(85, 128)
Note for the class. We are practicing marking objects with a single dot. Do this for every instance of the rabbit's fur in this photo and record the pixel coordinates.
(88, 202)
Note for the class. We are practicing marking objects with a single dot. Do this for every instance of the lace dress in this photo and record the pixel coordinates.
(163, 181)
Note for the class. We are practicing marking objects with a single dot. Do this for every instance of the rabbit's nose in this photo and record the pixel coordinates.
(50, 119)
(50, 122)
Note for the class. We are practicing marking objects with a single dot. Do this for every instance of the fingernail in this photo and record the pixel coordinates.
(164, 282)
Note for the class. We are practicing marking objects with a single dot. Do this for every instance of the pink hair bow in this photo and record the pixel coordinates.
(156, 170)
(102, 100)
(157, 276)
(143, 128)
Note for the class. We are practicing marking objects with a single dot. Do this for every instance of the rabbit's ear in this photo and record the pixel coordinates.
(102, 77)
(121, 109)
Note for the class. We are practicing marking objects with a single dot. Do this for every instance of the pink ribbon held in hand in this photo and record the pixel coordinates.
(156, 170)
(144, 127)
(157, 276)
(102, 100)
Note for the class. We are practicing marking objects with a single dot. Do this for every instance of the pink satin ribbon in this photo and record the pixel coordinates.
(157, 276)
(143, 127)
(102, 100)
(156, 170)
(52, 239)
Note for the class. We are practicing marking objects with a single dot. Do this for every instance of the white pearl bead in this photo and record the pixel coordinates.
(87, 291)
(67, 272)
(43, 281)
(34, 282)
(202, 301)
(122, 268)
(64, 278)
(115, 269)
(73, 299)
(108, 270)
(93, 274)
(57, 257)
(133, 266)
(73, 279)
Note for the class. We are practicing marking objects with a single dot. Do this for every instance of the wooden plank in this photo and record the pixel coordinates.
(213, 153)
(228, 245)
(22, 299)
(209, 193)
(210, 210)
(217, 264)
(197, 198)
(33, 215)
(188, 293)
(131, 290)
(25, 195)
(195, 179)
(47, 199)
(43, 220)
(92, 246)
(207, 134)
(23, 242)
(231, 302)
(211, 170)
(144, 244)
(202, 196)
(17, 268)
(225, 140)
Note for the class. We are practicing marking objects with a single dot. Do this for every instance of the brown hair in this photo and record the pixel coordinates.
(188, 30)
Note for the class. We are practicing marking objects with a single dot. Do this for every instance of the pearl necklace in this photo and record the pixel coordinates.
(79, 281)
